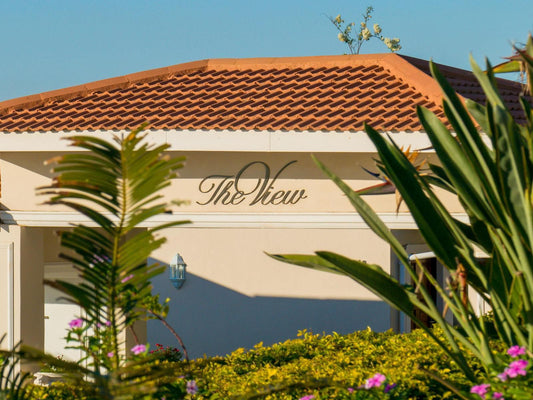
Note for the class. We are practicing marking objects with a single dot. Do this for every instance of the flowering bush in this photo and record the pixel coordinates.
(362, 365)
(359, 366)
(191, 387)
(94, 341)
(376, 387)
(166, 353)
(138, 349)
(335, 367)
(513, 382)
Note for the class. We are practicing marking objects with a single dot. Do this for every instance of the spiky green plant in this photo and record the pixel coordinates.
(520, 62)
(117, 186)
(486, 160)
(12, 381)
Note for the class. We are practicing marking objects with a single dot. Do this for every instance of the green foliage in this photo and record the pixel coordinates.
(117, 186)
(355, 41)
(62, 391)
(52, 368)
(515, 381)
(166, 353)
(144, 379)
(521, 61)
(326, 366)
(491, 173)
(12, 382)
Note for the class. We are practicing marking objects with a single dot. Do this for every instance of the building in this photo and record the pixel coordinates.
(246, 122)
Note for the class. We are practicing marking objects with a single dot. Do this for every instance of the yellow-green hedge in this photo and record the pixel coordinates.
(324, 366)
(334, 360)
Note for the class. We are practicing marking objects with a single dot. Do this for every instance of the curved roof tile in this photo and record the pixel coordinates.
(327, 93)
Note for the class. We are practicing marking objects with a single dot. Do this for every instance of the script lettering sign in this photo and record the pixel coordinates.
(231, 190)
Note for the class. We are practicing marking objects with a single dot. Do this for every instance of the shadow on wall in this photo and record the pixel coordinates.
(214, 320)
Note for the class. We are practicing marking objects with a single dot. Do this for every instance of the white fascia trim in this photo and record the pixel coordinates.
(223, 140)
(225, 220)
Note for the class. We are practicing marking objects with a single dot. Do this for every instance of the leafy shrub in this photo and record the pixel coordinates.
(46, 367)
(322, 365)
(333, 363)
(166, 353)
(60, 391)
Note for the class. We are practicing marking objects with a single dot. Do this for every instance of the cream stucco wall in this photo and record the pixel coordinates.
(23, 172)
(236, 296)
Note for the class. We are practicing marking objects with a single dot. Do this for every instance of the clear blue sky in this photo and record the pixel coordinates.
(51, 44)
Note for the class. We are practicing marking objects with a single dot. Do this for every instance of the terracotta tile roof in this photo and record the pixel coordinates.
(467, 86)
(327, 93)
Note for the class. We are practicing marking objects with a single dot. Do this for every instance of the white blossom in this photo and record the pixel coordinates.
(392, 44)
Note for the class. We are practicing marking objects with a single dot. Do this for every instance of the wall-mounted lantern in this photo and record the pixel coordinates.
(177, 271)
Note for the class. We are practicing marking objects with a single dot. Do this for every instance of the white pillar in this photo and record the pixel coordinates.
(29, 288)
(7, 297)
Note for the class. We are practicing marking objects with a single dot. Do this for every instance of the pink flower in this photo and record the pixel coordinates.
(110, 354)
(519, 364)
(350, 390)
(127, 278)
(138, 349)
(515, 351)
(503, 376)
(75, 323)
(99, 325)
(191, 387)
(480, 390)
(516, 368)
(308, 397)
(498, 396)
(376, 381)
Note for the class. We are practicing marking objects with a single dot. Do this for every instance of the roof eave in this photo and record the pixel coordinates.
(222, 141)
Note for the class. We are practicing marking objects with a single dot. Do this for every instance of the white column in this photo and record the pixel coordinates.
(7, 316)
(29, 288)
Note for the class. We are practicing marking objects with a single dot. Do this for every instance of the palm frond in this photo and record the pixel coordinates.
(117, 185)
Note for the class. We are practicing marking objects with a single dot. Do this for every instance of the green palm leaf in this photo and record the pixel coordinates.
(117, 186)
